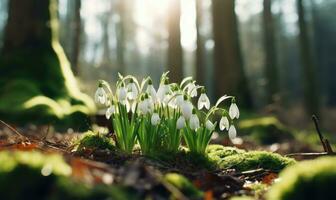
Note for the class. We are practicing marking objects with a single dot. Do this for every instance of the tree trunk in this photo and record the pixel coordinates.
(175, 61)
(121, 36)
(37, 84)
(200, 68)
(271, 70)
(229, 75)
(311, 96)
(76, 37)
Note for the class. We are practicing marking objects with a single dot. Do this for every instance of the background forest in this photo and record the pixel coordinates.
(277, 56)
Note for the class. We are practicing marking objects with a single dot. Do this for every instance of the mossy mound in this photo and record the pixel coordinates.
(94, 141)
(254, 160)
(217, 152)
(231, 157)
(314, 179)
(184, 185)
(33, 175)
(265, 130)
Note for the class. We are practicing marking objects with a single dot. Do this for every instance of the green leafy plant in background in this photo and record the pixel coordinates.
(159, 119)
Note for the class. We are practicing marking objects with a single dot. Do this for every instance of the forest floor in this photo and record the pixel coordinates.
(145, 175)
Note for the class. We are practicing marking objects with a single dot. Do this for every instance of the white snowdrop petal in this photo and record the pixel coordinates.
(233, 111)
(224, 124)
(100, 96)
(186, 109)
(180, 122)
(155, 119)
(194, 122)
(232, 132)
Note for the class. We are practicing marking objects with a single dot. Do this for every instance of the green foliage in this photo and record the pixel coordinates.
(91, 140)
(183, 184)
(314, 179)
(241, 198)
(254, 160)
(33, 175)
(265, 130)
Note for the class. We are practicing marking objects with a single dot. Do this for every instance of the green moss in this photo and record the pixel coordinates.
(218, 152)
(254, 160)
(242, 198)
(91, 140)
(265, 130)
(314, 179)
(33, 175)
(184, 185)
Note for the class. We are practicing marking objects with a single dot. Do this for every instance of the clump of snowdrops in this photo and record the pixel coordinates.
(158, 120)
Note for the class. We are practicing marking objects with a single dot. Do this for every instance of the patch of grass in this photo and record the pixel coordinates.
(314, 179)
(94, 141)
(184, 185)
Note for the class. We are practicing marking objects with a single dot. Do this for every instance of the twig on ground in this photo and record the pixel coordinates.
(325, 143)
(14, 130)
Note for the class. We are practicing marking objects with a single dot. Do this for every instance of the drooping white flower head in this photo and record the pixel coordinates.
(151, 90)
(163, 90)
(194, 121)
(233, 110)
(149, 104)
(180, 122)
(100, 95)
(132, 90)
(232, 132)
(155, 119)
(142, 106)
(122, 94)
(186, 109)
(179, 100)
(224, 123)
(111, 110)
(192, 89)
(209, 125)
(203, 101)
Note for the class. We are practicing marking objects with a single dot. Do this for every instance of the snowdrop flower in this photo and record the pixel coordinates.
(142, 107)
(194, 121)
(209, 125)
(132, 90)
(233, 111)
(192, 89)
(179, 100)
(111, 110)
(232, 132)
(203, 101)
(180, 122)
(224, 123)
(187, 109)
(100, 95)
(151, 90)
(149, 104)
(155, 120)
(122, 94)
(163, 90)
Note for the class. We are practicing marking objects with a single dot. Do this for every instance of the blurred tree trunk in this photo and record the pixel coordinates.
(38, 84)
(271, 70)
(77, 23)
(174, 60)
(229, 75)
(121, 35)
(200, 68)
(311, 95)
